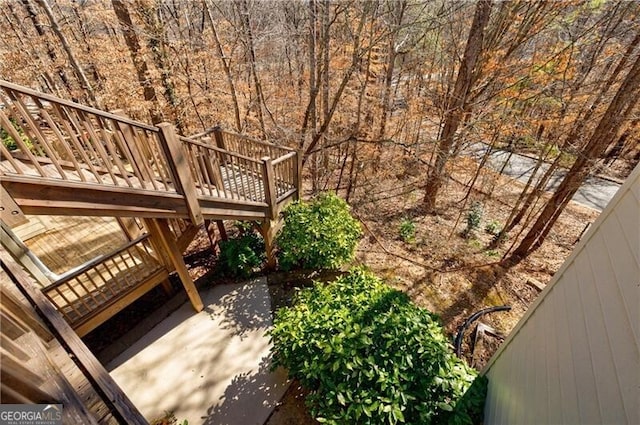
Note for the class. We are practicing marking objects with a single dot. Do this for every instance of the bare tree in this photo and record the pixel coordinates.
(139, 62)
(456, 104)
(44, 4)
(603, 136)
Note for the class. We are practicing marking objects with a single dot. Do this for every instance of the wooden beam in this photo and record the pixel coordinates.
(219, 137)
(161, 232)
(121, 407)
(36, 188)
(10, 212)
(187, 236)
(269, 230)
(183, 179)
(27, 319)
(270, 187)
(297, 173)
(129, 227)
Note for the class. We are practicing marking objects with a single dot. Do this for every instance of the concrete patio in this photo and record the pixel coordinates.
(209, 368)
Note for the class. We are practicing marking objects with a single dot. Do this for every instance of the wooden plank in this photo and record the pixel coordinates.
(28, 318)
(12, 215)
(19, 368)
(160, 229)
(112, 395)
(19, 251)
(26, 188)
(182, 176)
(270, 188)
(55, 381)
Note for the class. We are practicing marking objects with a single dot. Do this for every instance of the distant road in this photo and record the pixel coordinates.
(595, 193)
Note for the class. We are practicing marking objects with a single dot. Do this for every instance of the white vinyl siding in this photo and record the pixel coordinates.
(574, 358)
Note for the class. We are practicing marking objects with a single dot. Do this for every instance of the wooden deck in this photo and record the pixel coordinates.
(66, 242)
(95, 292)
(70, 159)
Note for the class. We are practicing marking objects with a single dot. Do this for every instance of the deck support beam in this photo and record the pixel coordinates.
(182, 176)
(159, 230)
(269, 230)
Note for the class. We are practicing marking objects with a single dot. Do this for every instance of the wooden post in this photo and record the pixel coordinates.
(217, 134)
(159, 229)
(182, 177)
(222, 230)
(297, 175)
(10, 212)
(269, 230)
(269, 183)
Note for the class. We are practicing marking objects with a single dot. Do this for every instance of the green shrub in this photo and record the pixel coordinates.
(368, 355)
(474, 218)
(242, 255)
(493, 227)
(9, 142)
(320, 234)
(407, 230)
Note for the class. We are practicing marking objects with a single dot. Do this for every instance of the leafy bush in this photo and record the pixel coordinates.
(9, 142)
(320, 234)
(370, 356)
(474, 218)
(240, 256)
(407, 230)
(493, 227)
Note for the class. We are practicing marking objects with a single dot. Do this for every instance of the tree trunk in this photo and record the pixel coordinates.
(604, 134)
(39, 27)
(225, 66)
(456, 105)
(246, 23)
(155, 28)
(142, 69)
(67, 48)
(397, 10)
(313, 87)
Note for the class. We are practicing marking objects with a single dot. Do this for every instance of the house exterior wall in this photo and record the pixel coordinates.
(574, 358)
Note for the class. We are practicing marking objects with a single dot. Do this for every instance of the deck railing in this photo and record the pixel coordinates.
(60, 140)
(247, 146)
(57, 139)
(227, 166)
(102, 280)
(223, 174)
(286, 169)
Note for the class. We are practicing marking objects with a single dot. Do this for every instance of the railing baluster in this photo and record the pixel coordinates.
(6, 154)
(86, 143)
(8, 126)
(104, 156)
(77, 144)
(56, 131)
(114, 154)
(34, 128)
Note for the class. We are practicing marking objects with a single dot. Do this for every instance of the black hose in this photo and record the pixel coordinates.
(475, 316)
